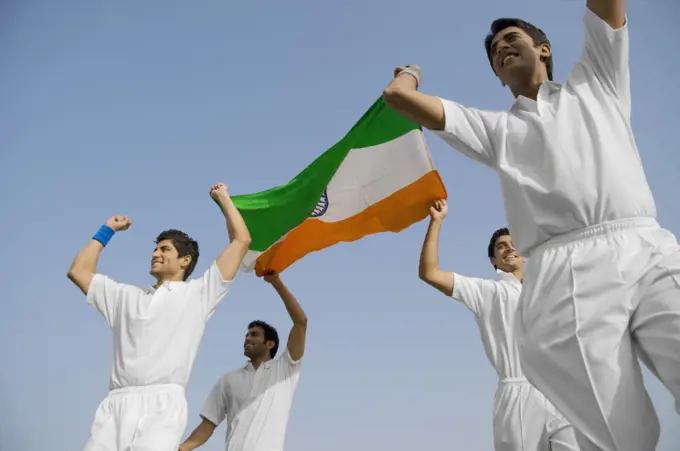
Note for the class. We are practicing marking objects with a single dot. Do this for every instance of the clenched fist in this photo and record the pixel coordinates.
(438, 210)
(271, 276)
(217, 191)
(119, 223)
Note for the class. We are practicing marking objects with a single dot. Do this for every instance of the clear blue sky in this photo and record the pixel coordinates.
(137, 107)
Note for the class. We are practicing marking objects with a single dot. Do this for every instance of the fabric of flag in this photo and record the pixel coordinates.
(378, 178)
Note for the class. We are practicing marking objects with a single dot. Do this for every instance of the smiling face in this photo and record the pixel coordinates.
(166, 262)
(255, 345)
(505, 256)
(515, 58)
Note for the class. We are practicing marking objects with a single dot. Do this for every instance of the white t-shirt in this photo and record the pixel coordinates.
(256, 404)
(494, 304)
(568, 160)
(156, 333)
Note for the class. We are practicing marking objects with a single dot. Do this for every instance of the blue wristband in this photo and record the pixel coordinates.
(104, 234)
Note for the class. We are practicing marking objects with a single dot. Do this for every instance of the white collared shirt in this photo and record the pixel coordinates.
(568, 160)
(156, 333)
(256, 404)
(494, 304)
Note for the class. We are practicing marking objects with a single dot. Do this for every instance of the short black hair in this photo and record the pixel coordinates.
(503, 231)
(184, 244)
(270, 334)
(535, 33)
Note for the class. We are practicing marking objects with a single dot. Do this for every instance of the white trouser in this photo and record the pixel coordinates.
(524, 420)
(148, 418)
(592, 302)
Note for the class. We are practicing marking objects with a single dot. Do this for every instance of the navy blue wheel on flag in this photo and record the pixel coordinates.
(321, 206)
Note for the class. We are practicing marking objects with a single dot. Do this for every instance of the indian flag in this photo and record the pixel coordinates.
(378, 178)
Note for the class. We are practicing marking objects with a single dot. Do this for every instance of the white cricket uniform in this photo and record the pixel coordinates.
(256, 404)
(603, 279)
(156, 334)
(523, 420)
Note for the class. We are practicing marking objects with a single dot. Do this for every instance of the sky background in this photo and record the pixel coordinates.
(138, 107)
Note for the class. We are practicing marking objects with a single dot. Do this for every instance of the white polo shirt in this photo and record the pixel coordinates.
(156, 333)
(494, 304)
(568, 160)
(256, 404)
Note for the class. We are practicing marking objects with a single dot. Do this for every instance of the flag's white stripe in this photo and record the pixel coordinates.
(367, 176)
(372, 174)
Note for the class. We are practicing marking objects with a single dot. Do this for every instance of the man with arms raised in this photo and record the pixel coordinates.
(256, 399)
(156, 331)
(523, 419)
(602, 285)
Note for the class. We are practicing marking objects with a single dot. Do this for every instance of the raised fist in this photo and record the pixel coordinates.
(119, 223)
(270, 276)
(438, 210)
(217, 190)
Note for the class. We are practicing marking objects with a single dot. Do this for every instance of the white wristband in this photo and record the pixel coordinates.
(414, 72)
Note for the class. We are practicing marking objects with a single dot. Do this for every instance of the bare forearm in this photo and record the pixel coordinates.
(84, 265)
(403, 97)
(429, 256)
(198, 437)
(297, 315)
(236, 226)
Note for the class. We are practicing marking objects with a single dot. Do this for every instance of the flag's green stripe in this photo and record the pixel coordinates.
(272, 213)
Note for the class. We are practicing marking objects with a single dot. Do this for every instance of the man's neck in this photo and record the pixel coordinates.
(519, 274)
(530, 88)
(259, 361)
(161, 280)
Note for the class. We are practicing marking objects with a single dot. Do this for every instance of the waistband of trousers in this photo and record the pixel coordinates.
(147, 389)
(513, 380)
(603, 229)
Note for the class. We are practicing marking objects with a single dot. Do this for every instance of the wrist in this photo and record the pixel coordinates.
(104, 235)
(414, 72)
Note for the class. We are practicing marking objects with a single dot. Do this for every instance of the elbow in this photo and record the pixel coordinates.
(71, 275)
(244, 239)
(392, 96)
(301, 321)
(426, 273)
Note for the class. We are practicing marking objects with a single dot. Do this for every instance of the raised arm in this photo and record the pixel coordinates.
(611, 11)
(429, 270)
(84, 266)
(298, 333)
(231, 257)
(402, 96)
(470, 131)
(606, 49)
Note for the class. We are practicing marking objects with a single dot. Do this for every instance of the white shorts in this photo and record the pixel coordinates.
(148, 418)
(524, 420)
(593, 301)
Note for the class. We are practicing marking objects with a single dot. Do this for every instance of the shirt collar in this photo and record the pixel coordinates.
(508, 277)
(526, 104)
(169, 285)
(249, 366)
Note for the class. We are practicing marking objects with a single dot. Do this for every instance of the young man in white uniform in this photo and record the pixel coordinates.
(156, 331)
(523, 419)
(256, 399)
(602, 285)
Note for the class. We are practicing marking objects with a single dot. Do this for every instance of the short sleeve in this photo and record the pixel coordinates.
(472, 132)
(106, 296)
(211, 288)
(606, 53)
(289, 360)
(215, 406)
(474, 293)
